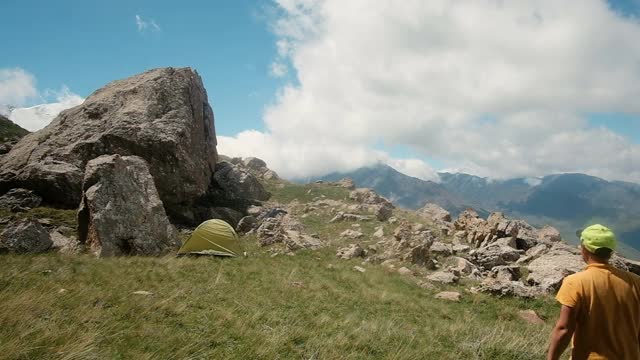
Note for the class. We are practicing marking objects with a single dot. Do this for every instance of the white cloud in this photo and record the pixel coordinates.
(148, 24)
(16, 87)
(277, 69)
(495, 87)
(36, 117)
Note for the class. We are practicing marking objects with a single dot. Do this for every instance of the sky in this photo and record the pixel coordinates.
(494, 88)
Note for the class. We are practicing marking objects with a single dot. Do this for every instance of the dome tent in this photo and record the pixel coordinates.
(212, 237)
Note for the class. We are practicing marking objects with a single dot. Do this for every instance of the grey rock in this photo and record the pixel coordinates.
(506, 241)
(18, 200)
(161, 115)
(246, 224)
(230, 216)
(435, 213)
(506, 273)
(442, 249)
(346, 183)
(350, 252)
(254, 163)
(549, 234)
(463, 266)
(509, 288)
(548, 270)
(341, 216)
(352, 234)
(368, 196)
(25, 236)
(239, 183)
(449, 295)
(64, 244)
(405, 271)
(121, 212)
(495, 255)
(443, 277)
(383, 212)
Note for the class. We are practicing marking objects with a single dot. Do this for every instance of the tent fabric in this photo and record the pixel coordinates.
(212, 237)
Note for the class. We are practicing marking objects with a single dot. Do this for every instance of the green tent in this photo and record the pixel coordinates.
(212, 237)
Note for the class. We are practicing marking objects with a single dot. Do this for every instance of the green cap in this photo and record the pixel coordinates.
(597, 236)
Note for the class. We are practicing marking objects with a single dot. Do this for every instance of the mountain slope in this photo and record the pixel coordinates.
(9, 131)
(565, 201)
(404, 190)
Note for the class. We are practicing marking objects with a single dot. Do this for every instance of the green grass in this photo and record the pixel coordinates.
(56, 217)
(9, 130)
(259, 307)
(308, 306)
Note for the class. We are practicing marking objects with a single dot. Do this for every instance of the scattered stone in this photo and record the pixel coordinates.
(405, 271)
(121, 212)
(368, 196)
(62, 291)
(64, 244)
(464, 266)
(506, 273)
(443, 277)
(449, 295)
(393, 220)
(383, 212)
(346, 183)
(435, 213)
(426, 285)
(352, 234)
(143, 293)
(509, 288)
(506, 241)
(530, 316)
(341, 216)
(379, 233)
(460, 248)
(25, 236)
(255, 211)
(495, 255)
(359, 269)
(442, 249)
(350, 252)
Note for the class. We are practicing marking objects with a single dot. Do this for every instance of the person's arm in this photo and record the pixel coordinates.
(562, 333)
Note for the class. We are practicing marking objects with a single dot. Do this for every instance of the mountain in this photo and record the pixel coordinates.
(565, 201)
(404, 190)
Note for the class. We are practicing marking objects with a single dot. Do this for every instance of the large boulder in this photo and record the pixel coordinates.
(548, 270)
(25, 236)
(495, 255)
(121, 212)
(238, 182)
(161, 115)
(435, 213)
(369, 197)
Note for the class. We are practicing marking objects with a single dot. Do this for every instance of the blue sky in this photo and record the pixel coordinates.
(85, 44)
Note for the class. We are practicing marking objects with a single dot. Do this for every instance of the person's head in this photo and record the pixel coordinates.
(597, 243)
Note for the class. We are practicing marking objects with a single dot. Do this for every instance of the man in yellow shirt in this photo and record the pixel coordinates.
(600, 305)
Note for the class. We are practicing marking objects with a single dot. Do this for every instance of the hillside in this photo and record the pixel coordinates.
(9, 131)
(265, 306)
(405, 191)
(566, 201)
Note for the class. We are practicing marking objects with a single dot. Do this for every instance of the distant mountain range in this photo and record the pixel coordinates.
(566, 201)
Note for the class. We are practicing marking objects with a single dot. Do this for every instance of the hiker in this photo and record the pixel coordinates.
(600, 305)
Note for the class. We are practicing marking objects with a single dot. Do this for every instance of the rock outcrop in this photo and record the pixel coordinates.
(25, 236)
(18, 200)
(161, 115)
(121, 212)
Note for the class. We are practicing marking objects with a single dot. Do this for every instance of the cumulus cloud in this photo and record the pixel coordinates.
(37, 117)
(277, 69)
(16, 87)
(144, 25)
(498, 88)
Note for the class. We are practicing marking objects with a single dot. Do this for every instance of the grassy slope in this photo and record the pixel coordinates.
(9, 130)
(259, 307)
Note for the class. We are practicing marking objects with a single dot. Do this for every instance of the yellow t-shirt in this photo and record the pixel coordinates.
(608, 304)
